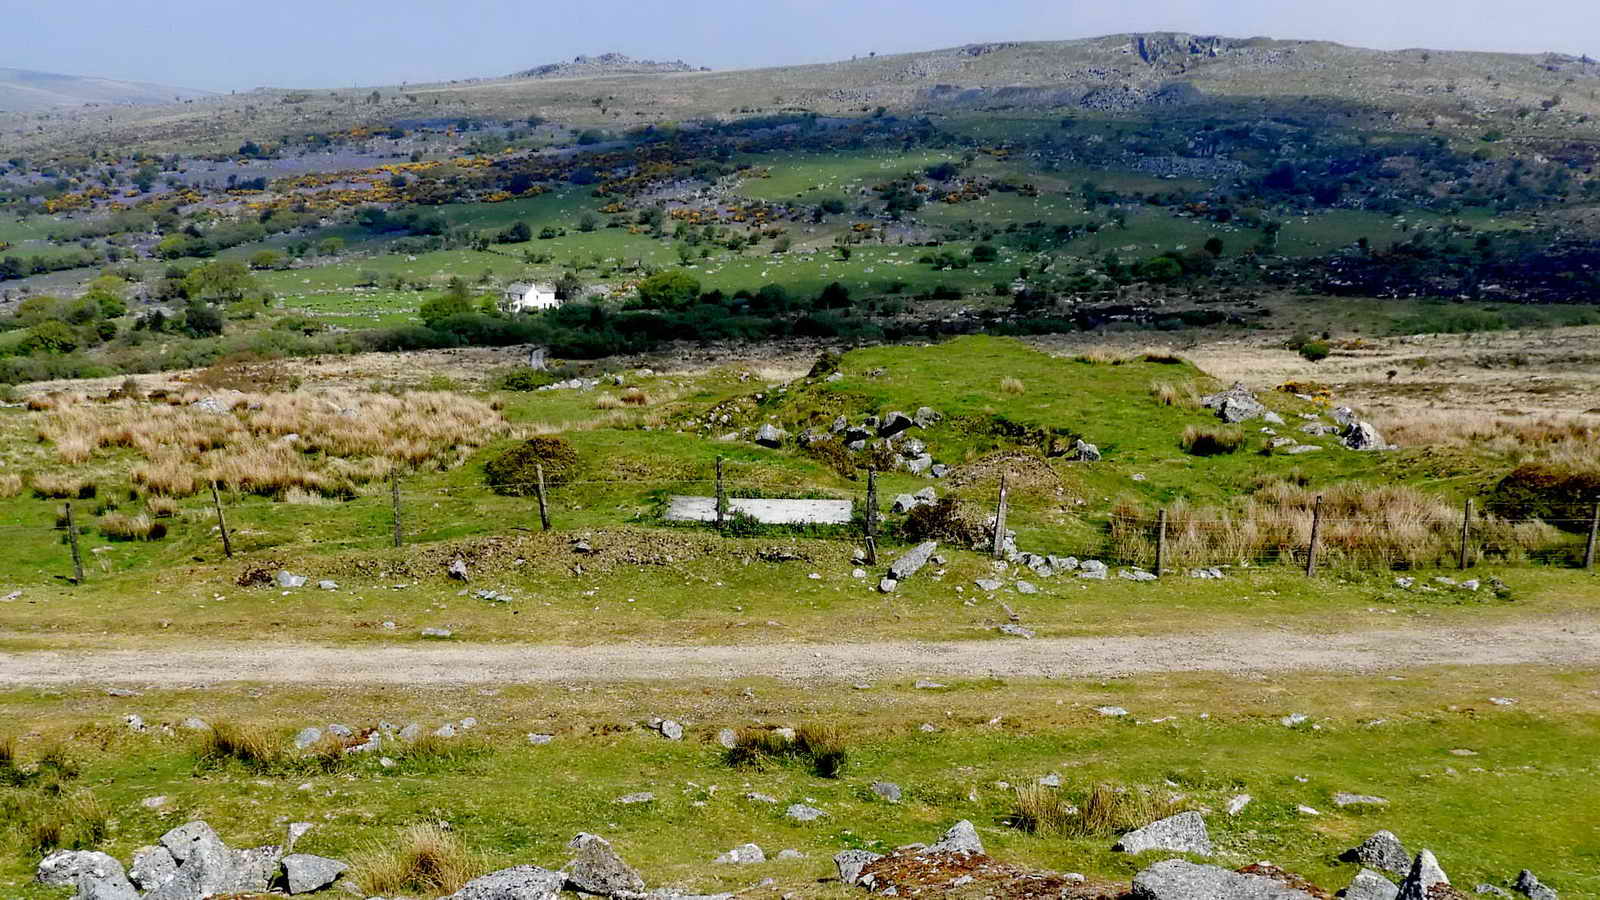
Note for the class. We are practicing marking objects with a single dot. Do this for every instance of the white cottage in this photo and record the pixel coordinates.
(528, 297)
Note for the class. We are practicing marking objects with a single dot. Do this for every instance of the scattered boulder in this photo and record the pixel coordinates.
(327, 585)
(1529, 884)
(1234, 405)
(1182, 833)
(1237, 804)
(305, 873)
(927, 417)
(894, 423)
(1363, 436)
(1092, 568)
(1381, 851)
(1177, 879)
(1343, 800)
(1369, 885)
(287, 579)
(516, 883)
(635, 799)
(670, 730)
(598, 869)
(1344, 415)
(989, 584)
(851, 862)
(436, 633)
(1083, 451)
(912, 561)
(152, 867)
(95, 875)
(888, 790)
(920, 465)
(744, 854)
(458, 570)
(770, 436)
(1424, 874)
(1016, 630)
(961, 838)
(803, 813)
(1027, 587)
(888, 585)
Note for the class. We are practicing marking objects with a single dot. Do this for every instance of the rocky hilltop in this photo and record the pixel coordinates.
(606, 64)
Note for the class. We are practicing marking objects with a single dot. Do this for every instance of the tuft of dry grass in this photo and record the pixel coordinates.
(251, 745)
(123, 527)
(1183, 394)
(66, 820)
(1010, 385)
(427, 861)
(1211, 441)
(635, 397)
(1041, 810)
(1107, 809)
(10, 485)
(62, 486)
(824, 743)
(160, 507)
(756, 747)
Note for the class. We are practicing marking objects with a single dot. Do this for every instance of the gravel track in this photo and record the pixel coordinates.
(1569, 645)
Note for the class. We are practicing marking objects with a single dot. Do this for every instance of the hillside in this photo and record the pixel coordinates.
(605, 64)
(1454, 94)
(25, 91)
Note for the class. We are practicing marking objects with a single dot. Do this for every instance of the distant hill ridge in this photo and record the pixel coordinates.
(22, 90)
(607, 64)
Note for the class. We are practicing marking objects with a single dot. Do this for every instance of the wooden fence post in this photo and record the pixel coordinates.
(1161, 541)
(722, 497)
(1316, 537)
(72, 539)
(1000, 521)
(544, 510)
(222, 522)
(872, 517)
(394, 492)
(1466, 530)
(1594, 532)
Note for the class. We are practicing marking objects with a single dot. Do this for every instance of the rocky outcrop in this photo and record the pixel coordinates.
(598, 869)
(95, 876)
(1182, 833)
(1381, 851)
(516, 883)
(1177, 879)
(192, 862)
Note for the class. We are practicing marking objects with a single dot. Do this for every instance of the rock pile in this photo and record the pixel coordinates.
(888, 433)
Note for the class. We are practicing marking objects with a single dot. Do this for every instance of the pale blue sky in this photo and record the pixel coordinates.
(228, 44)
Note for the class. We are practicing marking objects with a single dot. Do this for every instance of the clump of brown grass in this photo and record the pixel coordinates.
(1011, 385)
(123, 527)
(608, 401)
(1211, 441)
(1183, 394)
(58, 820)
(10, 485)
(824, 744)
(1106, 809)
(250, 745)
(62, 486)
(1097, 356)
(757, 747)
(427, 861)
(160, 507)
(635, 397)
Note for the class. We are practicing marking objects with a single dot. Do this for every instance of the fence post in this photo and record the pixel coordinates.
(1316, 536)
(1161, 540)
(394, 493)
(872, 517)
(222, 522)
(722, 497)
(1594, 532)
(1000, 520)
(1466, 530)
(72, 539)
(544, 510)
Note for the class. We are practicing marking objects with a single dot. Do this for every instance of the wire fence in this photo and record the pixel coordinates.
(1174, 540)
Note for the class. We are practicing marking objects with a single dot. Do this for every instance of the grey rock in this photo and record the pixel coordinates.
(447, 730)
(205, 864)
(539, 740)
(293, 834)
(1063, 563)
(1112, 711)
(437, 633)
(851, 862)
(598, 869)
(904, 503)
(1182, 833)
(761, 798)
(1424, 874)
(888, 790)
(1382, 851)
(1234, 405)
(305, 873)
(635, 799)
(338, 730)
(989, 584)
(517, 883)
(1344, 415)
(1343, 800)
(671, 730)
(411, 732)
(1092, 568)
(912, 448)
(134, 721)
(803, 813)
(790, 854)
(1317, 429)
(458, 570)
(1083, 451)
(195, 724)
(888, 585)
(727, 737)
(927, 417)
(254, 869)
(1300, 449)
(1016, 630)
(287, 579)
(1136, 575)
(961, 838)
(894, 423)
(744, 854)
(1272, 418)
(912, 561)
(1026, 587)
(152, 867)
(95, 875)
(939, 470)
(1491, 890)
(327, 585)
(1529, 884)
(1051, 780)
(770, 436)
(1363, 436)
(921, 465)
(1369, 885)
(840, 423)
(1177, 879)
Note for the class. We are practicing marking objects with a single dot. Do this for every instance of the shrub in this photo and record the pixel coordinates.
(523, 378)
(826, 364)
(1315, 351)
(1199, 441)
(160, 507)
(949, 521)
(1552, 491)
(833, 453)
(428, 861)
(514, 473)
(56, 820)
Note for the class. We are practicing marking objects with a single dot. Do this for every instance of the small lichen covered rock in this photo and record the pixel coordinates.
(1182, 833)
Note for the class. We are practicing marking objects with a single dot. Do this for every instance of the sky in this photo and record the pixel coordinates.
(224, 45)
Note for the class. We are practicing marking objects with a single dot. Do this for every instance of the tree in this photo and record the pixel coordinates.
(1214, 246)
(673, 289)
(49, 337)
(516, 233)
(455, 301)
(1315, 351)
(266, 259)
(569, 286)
(1160, 268)
(588, 222)
(985, 253)
(201, 320)
(834, 296)
(223, 282)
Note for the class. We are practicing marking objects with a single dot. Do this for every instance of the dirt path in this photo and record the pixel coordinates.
(1539, 643)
